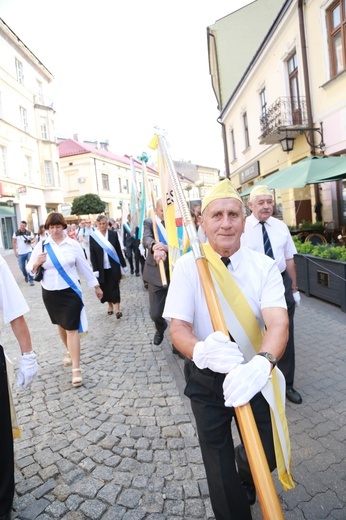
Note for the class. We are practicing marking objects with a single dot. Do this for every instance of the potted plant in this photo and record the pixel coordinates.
(321, 271)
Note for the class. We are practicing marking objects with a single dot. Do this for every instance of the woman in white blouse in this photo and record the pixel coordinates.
(61, 290)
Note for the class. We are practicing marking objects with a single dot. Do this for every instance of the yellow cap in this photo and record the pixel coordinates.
(260, 190)
(221, 190)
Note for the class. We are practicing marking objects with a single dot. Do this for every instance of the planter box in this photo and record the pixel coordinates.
(323, 278)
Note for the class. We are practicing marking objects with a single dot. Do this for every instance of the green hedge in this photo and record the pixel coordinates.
(322, 251)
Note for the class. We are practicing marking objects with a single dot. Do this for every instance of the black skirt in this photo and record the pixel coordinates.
(110, 288)
(64, 307)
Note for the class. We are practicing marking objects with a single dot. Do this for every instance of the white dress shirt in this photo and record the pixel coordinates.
(72, 259)
(279, 235)
(256, 275)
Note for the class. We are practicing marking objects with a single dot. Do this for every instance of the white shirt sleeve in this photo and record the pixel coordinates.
(12, 301)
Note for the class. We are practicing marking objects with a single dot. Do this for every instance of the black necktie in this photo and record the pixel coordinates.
(266, 242)
(163, 223)
(225, 260)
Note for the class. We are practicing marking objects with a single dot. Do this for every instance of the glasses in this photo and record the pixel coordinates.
(88, 222)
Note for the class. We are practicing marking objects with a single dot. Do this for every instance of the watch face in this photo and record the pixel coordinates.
(270, 357)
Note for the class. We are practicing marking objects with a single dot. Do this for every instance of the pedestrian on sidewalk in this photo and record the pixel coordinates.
(251, 298)
(21, 243)
(13, 306)
(62, 260)
(279, 245)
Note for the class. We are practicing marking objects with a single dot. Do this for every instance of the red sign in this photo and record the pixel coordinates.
(7, 189)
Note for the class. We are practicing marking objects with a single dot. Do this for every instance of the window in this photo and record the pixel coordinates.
(337, 36)
(105, 182)
(3, 172)
(120, 185)
(28, 167)
(246, 131)
(292, 67)
(234, 153)
(48, 171)
(44, 129)
(24, 119)
(19, 70)
(40, 98)
(264, 106)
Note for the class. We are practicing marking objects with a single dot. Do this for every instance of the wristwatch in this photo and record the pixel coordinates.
(272, 359)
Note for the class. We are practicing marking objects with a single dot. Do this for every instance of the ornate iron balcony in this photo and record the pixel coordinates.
(287, 112)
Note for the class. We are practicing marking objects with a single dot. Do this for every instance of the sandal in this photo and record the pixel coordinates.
(77, 380)
(119, 315)
(110, 313)
(67, 360)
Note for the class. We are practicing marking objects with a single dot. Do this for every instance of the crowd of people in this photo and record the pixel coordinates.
(251, 260)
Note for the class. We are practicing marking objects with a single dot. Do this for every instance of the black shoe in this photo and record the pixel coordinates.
(26, 281)
(177, 352)
(7, 516)
(137, 274)
(145, 285)
(250, 492)
(158, 336)
(132, 272)
(294, 396)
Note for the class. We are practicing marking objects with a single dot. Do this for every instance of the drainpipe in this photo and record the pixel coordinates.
(225, 149)
(97, 182)
(307, 88)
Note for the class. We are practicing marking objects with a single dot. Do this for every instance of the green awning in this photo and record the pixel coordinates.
(311, 170)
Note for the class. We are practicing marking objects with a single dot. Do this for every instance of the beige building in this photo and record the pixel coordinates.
(196, 179)
(29, 162)
(92, 168)
(294, 81)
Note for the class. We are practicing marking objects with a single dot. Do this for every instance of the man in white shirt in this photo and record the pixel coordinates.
(282, 249)
(13, 306)
(211, 355)
(21, 243)
(84, 238)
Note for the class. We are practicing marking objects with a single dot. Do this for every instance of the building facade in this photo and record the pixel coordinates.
(92, 168)
(29, 162)
(294, 82)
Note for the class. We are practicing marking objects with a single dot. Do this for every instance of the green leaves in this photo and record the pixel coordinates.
(88, 204)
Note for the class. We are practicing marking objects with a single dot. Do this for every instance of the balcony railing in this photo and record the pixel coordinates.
(286, 112)
(43, 101)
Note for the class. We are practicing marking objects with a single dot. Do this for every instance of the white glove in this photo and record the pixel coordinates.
(27, 370)
(245, 381)
(296, 296)
(217, 353)
(123, 270)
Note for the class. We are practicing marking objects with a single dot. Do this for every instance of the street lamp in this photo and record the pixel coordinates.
(287, 143)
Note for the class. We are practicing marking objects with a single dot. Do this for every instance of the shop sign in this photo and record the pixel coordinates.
(250, 172)
(7, 189)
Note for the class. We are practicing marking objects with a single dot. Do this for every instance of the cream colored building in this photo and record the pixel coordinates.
(29, 162)
(92, 168)
(295, 80)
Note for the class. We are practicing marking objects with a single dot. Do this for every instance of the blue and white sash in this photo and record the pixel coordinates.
(83, 323)
(161, 230)
(106, 245)
(128, 229)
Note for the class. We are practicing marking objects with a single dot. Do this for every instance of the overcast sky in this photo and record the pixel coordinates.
(122, 67)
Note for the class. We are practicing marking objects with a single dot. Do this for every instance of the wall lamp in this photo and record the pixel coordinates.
(287, 142)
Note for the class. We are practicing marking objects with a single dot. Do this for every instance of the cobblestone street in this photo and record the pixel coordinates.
(124, 445)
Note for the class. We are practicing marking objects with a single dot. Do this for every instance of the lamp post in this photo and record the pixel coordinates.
(287, 142)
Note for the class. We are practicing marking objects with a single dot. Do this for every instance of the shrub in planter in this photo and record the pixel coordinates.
(328, 251)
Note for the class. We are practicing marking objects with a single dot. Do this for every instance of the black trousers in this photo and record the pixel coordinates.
(157, 299)
(213, 419)
(6, 443)
(287, 362)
